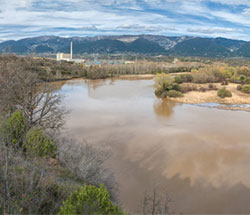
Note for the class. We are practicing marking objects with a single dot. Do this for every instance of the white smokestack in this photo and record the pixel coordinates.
(71, 51)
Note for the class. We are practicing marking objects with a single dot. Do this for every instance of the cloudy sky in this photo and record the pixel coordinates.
(207, 18)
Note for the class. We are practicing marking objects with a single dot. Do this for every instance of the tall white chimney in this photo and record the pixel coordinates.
(71, 51)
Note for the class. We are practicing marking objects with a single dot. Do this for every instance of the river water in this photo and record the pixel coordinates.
(199, 156)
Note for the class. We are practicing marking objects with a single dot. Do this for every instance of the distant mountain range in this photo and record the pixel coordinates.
(141, 44)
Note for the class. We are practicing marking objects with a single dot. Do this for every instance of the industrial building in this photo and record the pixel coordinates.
(68, 57)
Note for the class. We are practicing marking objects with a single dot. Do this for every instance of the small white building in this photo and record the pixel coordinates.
(129, 62)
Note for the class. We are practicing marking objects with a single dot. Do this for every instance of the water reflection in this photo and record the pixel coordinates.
(200, 155)
(94, 84)
(164, 107)
(189, 198)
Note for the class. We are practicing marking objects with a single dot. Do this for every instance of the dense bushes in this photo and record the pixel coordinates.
(164, 84)
(185, 88)
(204, 75)
(34, 141)
(159, 91)
(179, 69)
(37, 143)
(174, 94)
(243, 70)
(14, 127)
(211, 74)
(245, 88)
(183, 78)
(90, 200)
(223, 92)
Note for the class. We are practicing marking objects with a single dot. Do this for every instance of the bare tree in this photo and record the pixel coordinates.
(20, 89)
(88, 163)
(157, 202)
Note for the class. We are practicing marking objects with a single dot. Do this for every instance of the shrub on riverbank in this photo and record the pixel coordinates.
(185, 88)
(245, 88)
(13, 128)
(223, 93)
(174, 94)
(90, 200)
(183, 78)
(204, 75)
(37, 143)
(164, 84)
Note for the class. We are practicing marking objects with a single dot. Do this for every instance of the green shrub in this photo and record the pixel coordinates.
(242, 78)
(164, 94)
(39, 144)
(14, 127)
(164, 82)
(174, 94)
(178, 79)
(223, 92)
(224, 72)
(186, 78)
(175, 87)
(158, 92)
(183, 78)
(89, 200)
(245, 88)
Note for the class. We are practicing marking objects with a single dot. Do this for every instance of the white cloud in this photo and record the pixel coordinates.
(246, 12)
(211, 30)
(84, 17)
(233, 18)
(233, 2)
(146, 28)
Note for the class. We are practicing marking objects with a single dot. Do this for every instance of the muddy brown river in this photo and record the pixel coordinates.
(200, 156)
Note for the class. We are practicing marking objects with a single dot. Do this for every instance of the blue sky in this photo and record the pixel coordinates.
(206, 18)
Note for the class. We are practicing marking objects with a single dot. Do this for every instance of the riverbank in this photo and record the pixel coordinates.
(198, 97)
(137, 77)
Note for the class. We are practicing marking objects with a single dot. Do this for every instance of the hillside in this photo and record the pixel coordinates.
(141, 44)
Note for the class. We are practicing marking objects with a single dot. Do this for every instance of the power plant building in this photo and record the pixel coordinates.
(68, 57)
(63, 56)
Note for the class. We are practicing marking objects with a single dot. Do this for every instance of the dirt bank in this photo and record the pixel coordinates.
(137, 77)
(197, 97)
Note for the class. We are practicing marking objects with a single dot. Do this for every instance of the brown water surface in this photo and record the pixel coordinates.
(199, 155)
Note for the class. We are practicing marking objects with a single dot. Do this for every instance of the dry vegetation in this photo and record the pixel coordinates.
(51, 70)
(218, 83)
